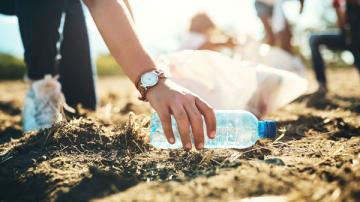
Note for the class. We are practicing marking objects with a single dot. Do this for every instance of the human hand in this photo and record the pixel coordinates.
(168, 98)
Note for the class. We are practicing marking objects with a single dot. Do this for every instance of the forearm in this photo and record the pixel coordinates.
(211, 46)
(216, 46)
(117, 30)
(341, 16)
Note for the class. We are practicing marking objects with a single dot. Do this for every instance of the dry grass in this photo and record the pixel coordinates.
(103, 155)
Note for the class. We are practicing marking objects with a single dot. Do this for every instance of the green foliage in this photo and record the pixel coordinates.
(11, 67)
(107, 66)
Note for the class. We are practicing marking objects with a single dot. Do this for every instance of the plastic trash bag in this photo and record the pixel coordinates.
(255, 51)
(230, 84)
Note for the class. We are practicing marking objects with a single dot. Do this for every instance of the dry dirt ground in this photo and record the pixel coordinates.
(102, 156)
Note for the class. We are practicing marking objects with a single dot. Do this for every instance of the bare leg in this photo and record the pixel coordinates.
(284, 38)
(270, 38)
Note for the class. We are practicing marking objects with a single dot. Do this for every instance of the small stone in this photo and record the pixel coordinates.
(275, 161)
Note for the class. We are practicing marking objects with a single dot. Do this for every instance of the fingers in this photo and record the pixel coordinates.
(182, 124)
(196, 123)
(168, 98)
(165, 118)
(209, 116)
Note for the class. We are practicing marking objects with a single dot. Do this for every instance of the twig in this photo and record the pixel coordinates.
(77, 149)
(47, 137)
(204, 158)
(6, 159)
(216, 162)
(138, 146)
(64, 147)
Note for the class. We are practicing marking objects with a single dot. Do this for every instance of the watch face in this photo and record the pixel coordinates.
(149, 79)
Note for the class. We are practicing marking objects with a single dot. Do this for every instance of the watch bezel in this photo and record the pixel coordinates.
(147, 74)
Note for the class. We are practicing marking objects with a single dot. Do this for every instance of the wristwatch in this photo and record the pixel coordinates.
(148, 80)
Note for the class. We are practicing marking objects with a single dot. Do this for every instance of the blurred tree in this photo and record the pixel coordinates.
(11, 67)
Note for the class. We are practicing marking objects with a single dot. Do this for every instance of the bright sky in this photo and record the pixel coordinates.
(163, 23)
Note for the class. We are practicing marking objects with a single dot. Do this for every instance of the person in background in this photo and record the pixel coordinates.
(56, 44)
(277, 28)
(55, 41)
(347, 38)
(205, 35)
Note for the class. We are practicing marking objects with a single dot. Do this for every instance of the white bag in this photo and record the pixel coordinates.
(227, 83)
(254, 51)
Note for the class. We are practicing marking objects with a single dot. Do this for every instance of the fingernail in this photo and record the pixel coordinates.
(212, 134)
(172, 140)
(188, 146)
(200, 146)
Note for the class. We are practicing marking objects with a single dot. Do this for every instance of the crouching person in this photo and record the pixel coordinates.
(348, 38)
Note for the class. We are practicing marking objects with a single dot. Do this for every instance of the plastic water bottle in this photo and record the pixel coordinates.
(235, 129)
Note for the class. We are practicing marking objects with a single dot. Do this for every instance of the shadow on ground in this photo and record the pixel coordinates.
(321, 101)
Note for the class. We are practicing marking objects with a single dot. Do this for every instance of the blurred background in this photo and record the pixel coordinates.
(162, 25)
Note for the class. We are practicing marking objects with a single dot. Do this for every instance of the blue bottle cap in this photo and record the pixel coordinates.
(267, 129)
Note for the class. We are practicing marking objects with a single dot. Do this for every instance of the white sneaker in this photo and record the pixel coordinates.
(43, 104)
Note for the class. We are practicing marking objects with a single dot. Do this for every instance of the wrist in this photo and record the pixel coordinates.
(148, 81)
(137, 78)
(161, 82)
